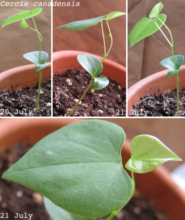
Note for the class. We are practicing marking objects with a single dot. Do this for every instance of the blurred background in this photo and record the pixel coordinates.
(90, 40)
(16, 41)
(145, 56)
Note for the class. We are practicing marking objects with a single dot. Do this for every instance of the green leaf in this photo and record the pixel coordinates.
(34, 57)
(57, 213)
(90, 64)
(148, 153)
(79, 168)
(173, 72)
(41, 66)
(100, 83)
(21, 16)
(144, 28)
(156, 10)
(114, 14)
(82, 25)
(24, 24)
(168, 62)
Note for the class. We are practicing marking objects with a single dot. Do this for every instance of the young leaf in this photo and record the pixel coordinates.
(79, 168)
(57, 213)
(114, 14)
(34, 57)
(90, 64)
(82, 25)
(144, 28)
(24, 24)
(21, 16)
(41, 66)
(168, 62)
(100, 83)
(173, 72)
(148, 153)
(156, 10)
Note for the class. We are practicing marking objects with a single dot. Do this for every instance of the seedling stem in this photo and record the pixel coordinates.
(105, 56)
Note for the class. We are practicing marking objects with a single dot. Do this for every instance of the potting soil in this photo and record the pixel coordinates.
(160, 105)
(23, 103)
(69, 87)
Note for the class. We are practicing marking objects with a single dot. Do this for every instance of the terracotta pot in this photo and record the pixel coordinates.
(152, 84)
(157, 184)
(22, 76)
(63, 60)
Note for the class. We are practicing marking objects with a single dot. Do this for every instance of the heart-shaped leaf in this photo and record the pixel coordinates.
(168, 62)
(57, 213)
(100, 83)
(114, 14)
(156, 10)
(82, 25)
(148, 153)
(144, 28)
(173, 72)
(90, 64)
(79, 168)
(41, 66)
(21, 16)
(34, 57)
(24, 24)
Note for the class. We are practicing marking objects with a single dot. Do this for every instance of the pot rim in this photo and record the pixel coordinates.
(68, 53)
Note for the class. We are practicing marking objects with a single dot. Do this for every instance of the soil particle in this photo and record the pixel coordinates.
(23, 103)
(69, 87)
(160, 105)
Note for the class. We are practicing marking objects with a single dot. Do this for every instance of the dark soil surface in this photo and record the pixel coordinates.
(15, 198)
(69, 87)
(23, 103)
(160, 105)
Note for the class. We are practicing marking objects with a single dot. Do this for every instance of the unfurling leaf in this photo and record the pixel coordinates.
(114, 14)
(156, 10)
(21, 16)
(24, 24)
(147, 153)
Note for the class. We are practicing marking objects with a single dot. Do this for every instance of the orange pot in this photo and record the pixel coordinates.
(63, 60)
(157, 184)
(152, 84)
(22, 76)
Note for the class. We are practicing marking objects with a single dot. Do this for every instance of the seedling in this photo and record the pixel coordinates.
(37, 57)
(148, 26)
(79, 170)
(90, 63)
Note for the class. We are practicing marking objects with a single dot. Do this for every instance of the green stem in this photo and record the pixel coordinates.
(89, 86)
(105, 51)
(114, 213)
(177, 76)
(163, 34)
(110, 34)
(40, 79)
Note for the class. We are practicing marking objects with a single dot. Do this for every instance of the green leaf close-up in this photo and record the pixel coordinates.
(90, 64)
(147, 153)
(24, 24)
(156, 10)
(79, 168)
(34, 57)
(41, 66)
(173, 72)
(114, 14)
(57, 213)
(21, 16)
(82, 25)
(100, 83)
(169, 64)
(144, 28)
